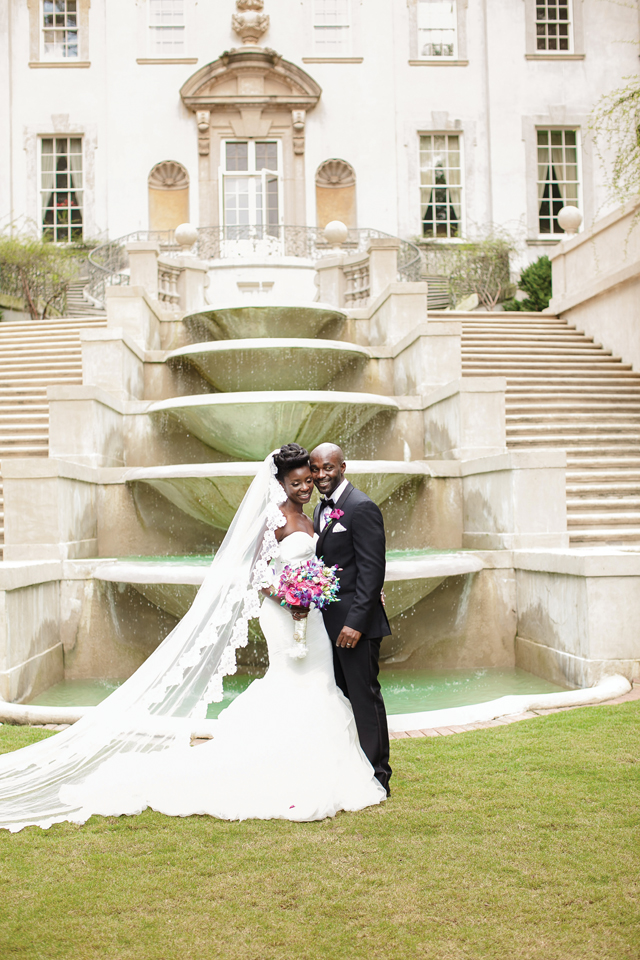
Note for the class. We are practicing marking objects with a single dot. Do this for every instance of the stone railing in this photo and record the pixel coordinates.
(168, 276)
(357, 281)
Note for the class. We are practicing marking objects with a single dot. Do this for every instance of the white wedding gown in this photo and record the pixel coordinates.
(286, 748)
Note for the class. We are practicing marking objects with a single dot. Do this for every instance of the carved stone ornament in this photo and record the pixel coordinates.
(249, 23)
(335, 173)
(203, 119)
(168, 175)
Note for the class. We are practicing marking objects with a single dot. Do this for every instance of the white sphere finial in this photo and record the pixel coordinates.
(185, 235)
(570, 219)
(336, 232)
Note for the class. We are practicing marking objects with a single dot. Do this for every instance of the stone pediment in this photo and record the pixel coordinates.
(256, 78)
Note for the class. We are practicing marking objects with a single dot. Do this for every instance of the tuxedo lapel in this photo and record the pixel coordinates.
(316, 518)
(343, 499)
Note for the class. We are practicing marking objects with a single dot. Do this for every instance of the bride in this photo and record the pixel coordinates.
(286, 748)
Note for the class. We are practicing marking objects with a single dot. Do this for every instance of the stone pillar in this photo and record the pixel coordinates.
(397, 312)
(466, 419)
(331, 281)
(143, 263)
(427, 358)
(111, 360)
(192, 283)
(383, 264)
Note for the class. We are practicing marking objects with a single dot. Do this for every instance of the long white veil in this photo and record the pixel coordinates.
(156, 707)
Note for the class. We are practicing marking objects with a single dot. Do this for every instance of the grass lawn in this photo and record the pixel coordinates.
(507, 843)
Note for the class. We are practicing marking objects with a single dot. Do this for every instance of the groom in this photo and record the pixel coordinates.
(351, 534)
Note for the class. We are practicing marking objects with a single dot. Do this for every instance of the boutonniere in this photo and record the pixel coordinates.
(336, 514)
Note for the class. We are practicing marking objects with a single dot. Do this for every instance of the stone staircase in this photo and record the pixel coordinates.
(564, 390)
(77, 306)
(33, 356)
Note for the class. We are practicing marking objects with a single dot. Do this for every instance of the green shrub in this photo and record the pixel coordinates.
(536, 281)
(37, 272)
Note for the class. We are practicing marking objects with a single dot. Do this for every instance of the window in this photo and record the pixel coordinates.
(441, 184)
(331, 26)
(558, 179)
(251, 187)
(553, 25)
(60, 29)
(61, 188)
(437, 21)
(166, 28)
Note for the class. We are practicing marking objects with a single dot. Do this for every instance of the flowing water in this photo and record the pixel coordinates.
(405, 691)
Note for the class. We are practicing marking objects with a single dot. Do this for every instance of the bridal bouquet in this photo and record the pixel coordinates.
(309, 584)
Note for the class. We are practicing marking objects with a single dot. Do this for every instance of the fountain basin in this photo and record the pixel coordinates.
(263, 318)
(172, 584)
(250, 425)
(271, 364)
(212, 492)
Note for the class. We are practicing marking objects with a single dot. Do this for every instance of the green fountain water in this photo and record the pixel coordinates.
(405, 691)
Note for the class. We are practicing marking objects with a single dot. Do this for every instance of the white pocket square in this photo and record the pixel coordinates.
(338, 528)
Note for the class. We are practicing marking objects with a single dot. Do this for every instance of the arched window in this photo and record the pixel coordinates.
(168, 195)
(336, 193)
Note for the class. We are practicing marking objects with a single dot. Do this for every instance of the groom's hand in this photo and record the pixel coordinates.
(348, 638)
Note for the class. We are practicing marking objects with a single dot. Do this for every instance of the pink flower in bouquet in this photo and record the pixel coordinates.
(311, 584)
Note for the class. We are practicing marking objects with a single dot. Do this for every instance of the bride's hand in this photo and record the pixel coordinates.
(299, 613)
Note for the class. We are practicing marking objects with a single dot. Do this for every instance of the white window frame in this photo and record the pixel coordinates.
(154, 30)
(41, 190)
(252, 174)
(56, 57)
(546, 51)
(461, 186)
(421, 4)
(319, 50)
(551, 128)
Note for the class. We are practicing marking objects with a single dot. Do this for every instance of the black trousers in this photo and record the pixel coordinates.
(356, 673)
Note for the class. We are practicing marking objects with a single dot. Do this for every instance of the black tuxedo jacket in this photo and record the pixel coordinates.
(360, 551)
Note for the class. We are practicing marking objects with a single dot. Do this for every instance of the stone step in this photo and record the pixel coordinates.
(27, 449)
(624, 433)
(594, 492)
(536, 339)
(9, 409)
(595, 464)
(592, 519)
(23, 432)
(48, 351)
(592, 352)
(24, 417)
(586, 408)
(12, 382)
(602, 476)
(602, 384)
(579, 446)
(604, 535)
(586, 420)
(563, 367)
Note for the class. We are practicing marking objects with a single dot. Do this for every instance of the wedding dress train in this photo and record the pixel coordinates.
(286, 748)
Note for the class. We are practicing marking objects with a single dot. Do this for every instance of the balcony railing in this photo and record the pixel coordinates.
(109, 263)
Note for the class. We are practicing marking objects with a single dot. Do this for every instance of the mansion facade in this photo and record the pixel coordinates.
(421, 118)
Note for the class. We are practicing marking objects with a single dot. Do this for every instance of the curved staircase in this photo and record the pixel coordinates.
(564, 390)
(33, 356)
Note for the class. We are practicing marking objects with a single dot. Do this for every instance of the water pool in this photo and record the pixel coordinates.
(405, 691)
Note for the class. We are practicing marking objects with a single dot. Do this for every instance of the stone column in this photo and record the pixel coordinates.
(143, 262)
(383, 264)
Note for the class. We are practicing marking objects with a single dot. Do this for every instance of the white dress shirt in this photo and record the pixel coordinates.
(335, 496)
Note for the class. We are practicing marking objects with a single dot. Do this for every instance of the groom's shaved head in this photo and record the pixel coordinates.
(328, 451)
(327, 467)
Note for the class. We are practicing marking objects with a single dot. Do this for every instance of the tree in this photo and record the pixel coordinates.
(37, 271)
(482, 267)
(615, 125)
(536, 281)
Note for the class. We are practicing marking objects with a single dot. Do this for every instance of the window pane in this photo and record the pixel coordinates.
(61, 189)
(553, 25)
(266, 156)
(237, 156)
(437, 25)
(331, 22)
(440, 185)
(60, 29)
(557, 177)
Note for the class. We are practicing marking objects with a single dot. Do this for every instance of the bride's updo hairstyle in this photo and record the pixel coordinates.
(288, 457)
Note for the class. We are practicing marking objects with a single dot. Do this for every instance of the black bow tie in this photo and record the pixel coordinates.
(327, 503)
